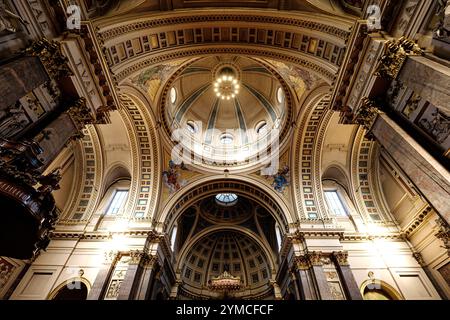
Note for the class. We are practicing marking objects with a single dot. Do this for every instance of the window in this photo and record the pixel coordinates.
(226, 199)
(191, 127)
(118, 201)
(334, 203)
(173, 237)
(226, 139)
(261, 128)
(280, 95)
(173, 95)
(279, 238)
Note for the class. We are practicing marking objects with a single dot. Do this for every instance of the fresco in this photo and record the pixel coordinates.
(281, 179)
(172, 176)
(150, 79)
(298, 78)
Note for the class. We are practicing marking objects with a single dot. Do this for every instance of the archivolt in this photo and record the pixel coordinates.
(363, 177)
(306, 156)
(89, 166)
(249, 187)
(146, 154)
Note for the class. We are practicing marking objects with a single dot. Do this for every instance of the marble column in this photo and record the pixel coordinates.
(429, 79)
(347, 278)
(305, 281)
(149, 269)
(18, 78)
(101, 281)
(323, 289)
(133, 275)
(427, 174)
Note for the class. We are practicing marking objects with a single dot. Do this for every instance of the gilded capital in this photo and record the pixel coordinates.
(301, 263)
(341, 257)
(315, 258)
(367, 113)
(395, 54)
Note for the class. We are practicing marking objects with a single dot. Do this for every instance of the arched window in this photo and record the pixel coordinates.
(261, 128)
(115, 198)
(173, 95)
(279, 237)
(118, 202)
(191, 127)
(335, 203)
(339, 203)
(173, 237)
(226, 139)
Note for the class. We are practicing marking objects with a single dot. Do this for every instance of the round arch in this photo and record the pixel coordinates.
(81, 282)
(185, 249)
(385, 287)
(239, 185)
(146, 151)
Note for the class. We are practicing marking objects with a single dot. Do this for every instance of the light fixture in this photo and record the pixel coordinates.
(226, 85)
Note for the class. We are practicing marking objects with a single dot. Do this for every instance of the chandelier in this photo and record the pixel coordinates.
(226, 85)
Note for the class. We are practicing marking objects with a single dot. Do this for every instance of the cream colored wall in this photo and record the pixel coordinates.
(63, 261)
(393, 263)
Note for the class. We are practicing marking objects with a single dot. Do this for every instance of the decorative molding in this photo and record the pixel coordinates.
(115, 32)
(395, 54)
(367, 114)
(341, 257)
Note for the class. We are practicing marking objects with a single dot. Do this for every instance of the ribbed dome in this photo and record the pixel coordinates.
(226, 130)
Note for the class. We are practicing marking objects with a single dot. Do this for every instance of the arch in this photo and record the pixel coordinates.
(239, 185)
(76, 282)
(330, 30)
(89, 157)
(146, 153)
(115, 173)
(314, 118)
(383, 286)
(210, 230)
(337, 174)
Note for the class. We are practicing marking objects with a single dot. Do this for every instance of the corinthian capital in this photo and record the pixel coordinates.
(315, 258)
(395, 54)
(367, 113)
(341, 257)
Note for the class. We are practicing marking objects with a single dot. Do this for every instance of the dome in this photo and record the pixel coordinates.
(226, 109)
(226, 251)
(239, 210)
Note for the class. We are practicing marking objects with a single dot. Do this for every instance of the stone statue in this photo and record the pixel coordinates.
(8, 19)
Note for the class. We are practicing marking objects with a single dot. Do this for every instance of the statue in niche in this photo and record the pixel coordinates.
(9, 21)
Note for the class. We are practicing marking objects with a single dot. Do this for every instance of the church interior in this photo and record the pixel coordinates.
(215, 150)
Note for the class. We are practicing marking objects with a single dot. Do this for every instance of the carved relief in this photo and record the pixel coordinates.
(367, 113)
(6, 271)
(341, 257)
(395, 54)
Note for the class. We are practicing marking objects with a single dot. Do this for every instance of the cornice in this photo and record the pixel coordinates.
(117, 29)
